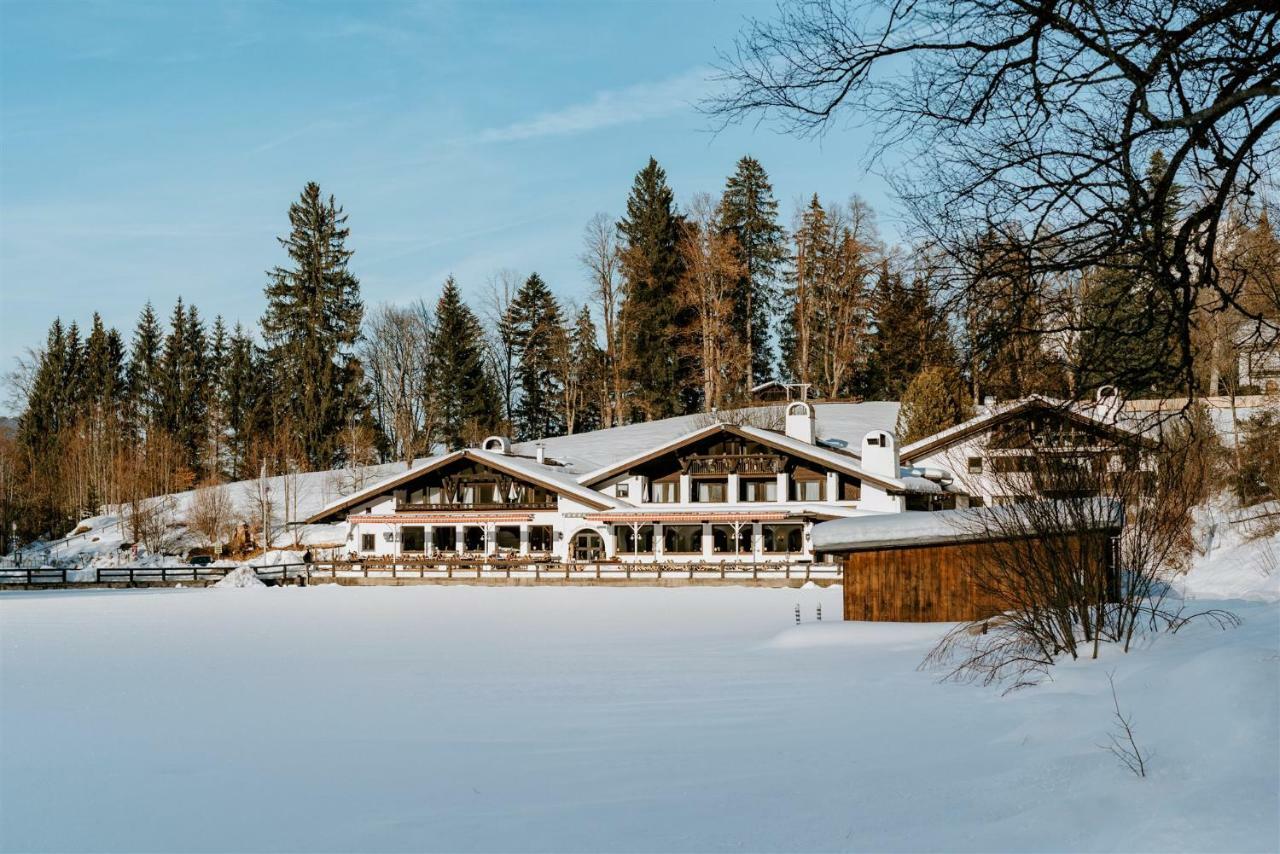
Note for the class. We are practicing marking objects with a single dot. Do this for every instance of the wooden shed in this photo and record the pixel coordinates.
(924, 567)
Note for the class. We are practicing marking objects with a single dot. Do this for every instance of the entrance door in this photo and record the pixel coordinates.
(588, 545)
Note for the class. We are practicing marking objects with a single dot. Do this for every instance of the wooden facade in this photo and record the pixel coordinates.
(935, 582)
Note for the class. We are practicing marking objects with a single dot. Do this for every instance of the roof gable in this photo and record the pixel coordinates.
(827, 457)
(1026, 406)
(562, 486)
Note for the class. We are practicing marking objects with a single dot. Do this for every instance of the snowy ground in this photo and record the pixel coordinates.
(567, 719)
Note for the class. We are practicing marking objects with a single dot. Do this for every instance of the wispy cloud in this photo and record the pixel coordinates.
(610, 108)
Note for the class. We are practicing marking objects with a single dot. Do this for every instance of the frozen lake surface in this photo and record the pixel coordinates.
(584, 719)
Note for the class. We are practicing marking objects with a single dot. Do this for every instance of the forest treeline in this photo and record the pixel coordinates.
(689, 307)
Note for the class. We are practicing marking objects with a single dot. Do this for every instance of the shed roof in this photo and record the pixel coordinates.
(978, 524)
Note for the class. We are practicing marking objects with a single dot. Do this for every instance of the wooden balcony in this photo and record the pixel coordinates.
(485, 506)
(733, 464)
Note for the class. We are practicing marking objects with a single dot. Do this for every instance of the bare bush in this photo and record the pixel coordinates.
(210, 513)
(1090, 564)
(1120, 743)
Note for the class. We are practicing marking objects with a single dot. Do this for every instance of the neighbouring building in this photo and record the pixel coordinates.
(990, 459)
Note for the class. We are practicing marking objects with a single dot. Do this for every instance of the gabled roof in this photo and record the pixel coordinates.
(829, 457)
(529, 470)
(1002, 413)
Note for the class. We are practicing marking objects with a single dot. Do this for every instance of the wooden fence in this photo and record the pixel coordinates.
(455, 570)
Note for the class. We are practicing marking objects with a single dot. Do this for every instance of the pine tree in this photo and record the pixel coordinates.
(143, 377)
(465, 391)
(749, 211)
(184, 386)
(245, 400)
(536, 326)
(311, 326)
(1130, 336)
(649, 321)
(934, 400)
(911, 333)
(585, 382)
(103, 368)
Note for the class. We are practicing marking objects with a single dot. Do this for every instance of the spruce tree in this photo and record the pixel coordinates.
(591, 381)
(649, 321)
(244, 399)
(311, 326)
(184, 387)
(143, 378)
(910, 333)
(536, 326)
(465, 392)
(749, 212)
(103, 368)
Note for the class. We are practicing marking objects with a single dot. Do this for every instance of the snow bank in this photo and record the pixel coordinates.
(1236, 566)
(241, 576)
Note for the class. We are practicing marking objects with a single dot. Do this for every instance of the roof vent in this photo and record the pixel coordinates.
(497, 444)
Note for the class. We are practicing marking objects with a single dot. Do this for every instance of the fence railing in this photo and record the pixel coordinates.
(112, 574)
(549, 570)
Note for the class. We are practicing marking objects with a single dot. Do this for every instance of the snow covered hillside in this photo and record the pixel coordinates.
(576, 719)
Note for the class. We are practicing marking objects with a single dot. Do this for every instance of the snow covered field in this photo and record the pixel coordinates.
(563, 719)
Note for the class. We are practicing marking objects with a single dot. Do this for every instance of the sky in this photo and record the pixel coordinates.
(151, 151)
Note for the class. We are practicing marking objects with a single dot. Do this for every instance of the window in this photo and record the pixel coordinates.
(634, 540)
(759, 490)
(850, 488)
(781, 539)
(723, 540)
(623, 490)
(507, 537)
(665, 492)
(445, 539)
(682, 539)
(473, 538)
(711, 491)
(975, 465)
(806, 490)
(367, 542)
(539, 538)
(413, 538)
(975, 500)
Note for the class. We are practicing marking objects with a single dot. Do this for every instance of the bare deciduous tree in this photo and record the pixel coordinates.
(712, 273)
(601, 256)
(1046, 116)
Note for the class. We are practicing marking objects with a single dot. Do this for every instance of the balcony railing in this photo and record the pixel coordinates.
(734, 464)
(479, 505)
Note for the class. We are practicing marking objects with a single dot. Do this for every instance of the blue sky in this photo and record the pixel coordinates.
(149, 151)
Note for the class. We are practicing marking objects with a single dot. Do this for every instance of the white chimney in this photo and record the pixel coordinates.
(880, 454)
(1107, 403)
(542, 454)
(497, 445)
(801, 423)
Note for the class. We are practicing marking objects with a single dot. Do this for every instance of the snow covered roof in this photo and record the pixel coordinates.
(838, 460)
(999, 413)
(528, 469)
(917, 527)
(581, 453)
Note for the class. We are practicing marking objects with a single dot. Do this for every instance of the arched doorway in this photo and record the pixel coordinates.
(588, 545)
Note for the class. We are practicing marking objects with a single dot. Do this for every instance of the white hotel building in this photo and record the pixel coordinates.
(680, 490)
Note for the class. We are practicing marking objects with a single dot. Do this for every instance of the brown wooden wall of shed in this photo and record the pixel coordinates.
(932, 583)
